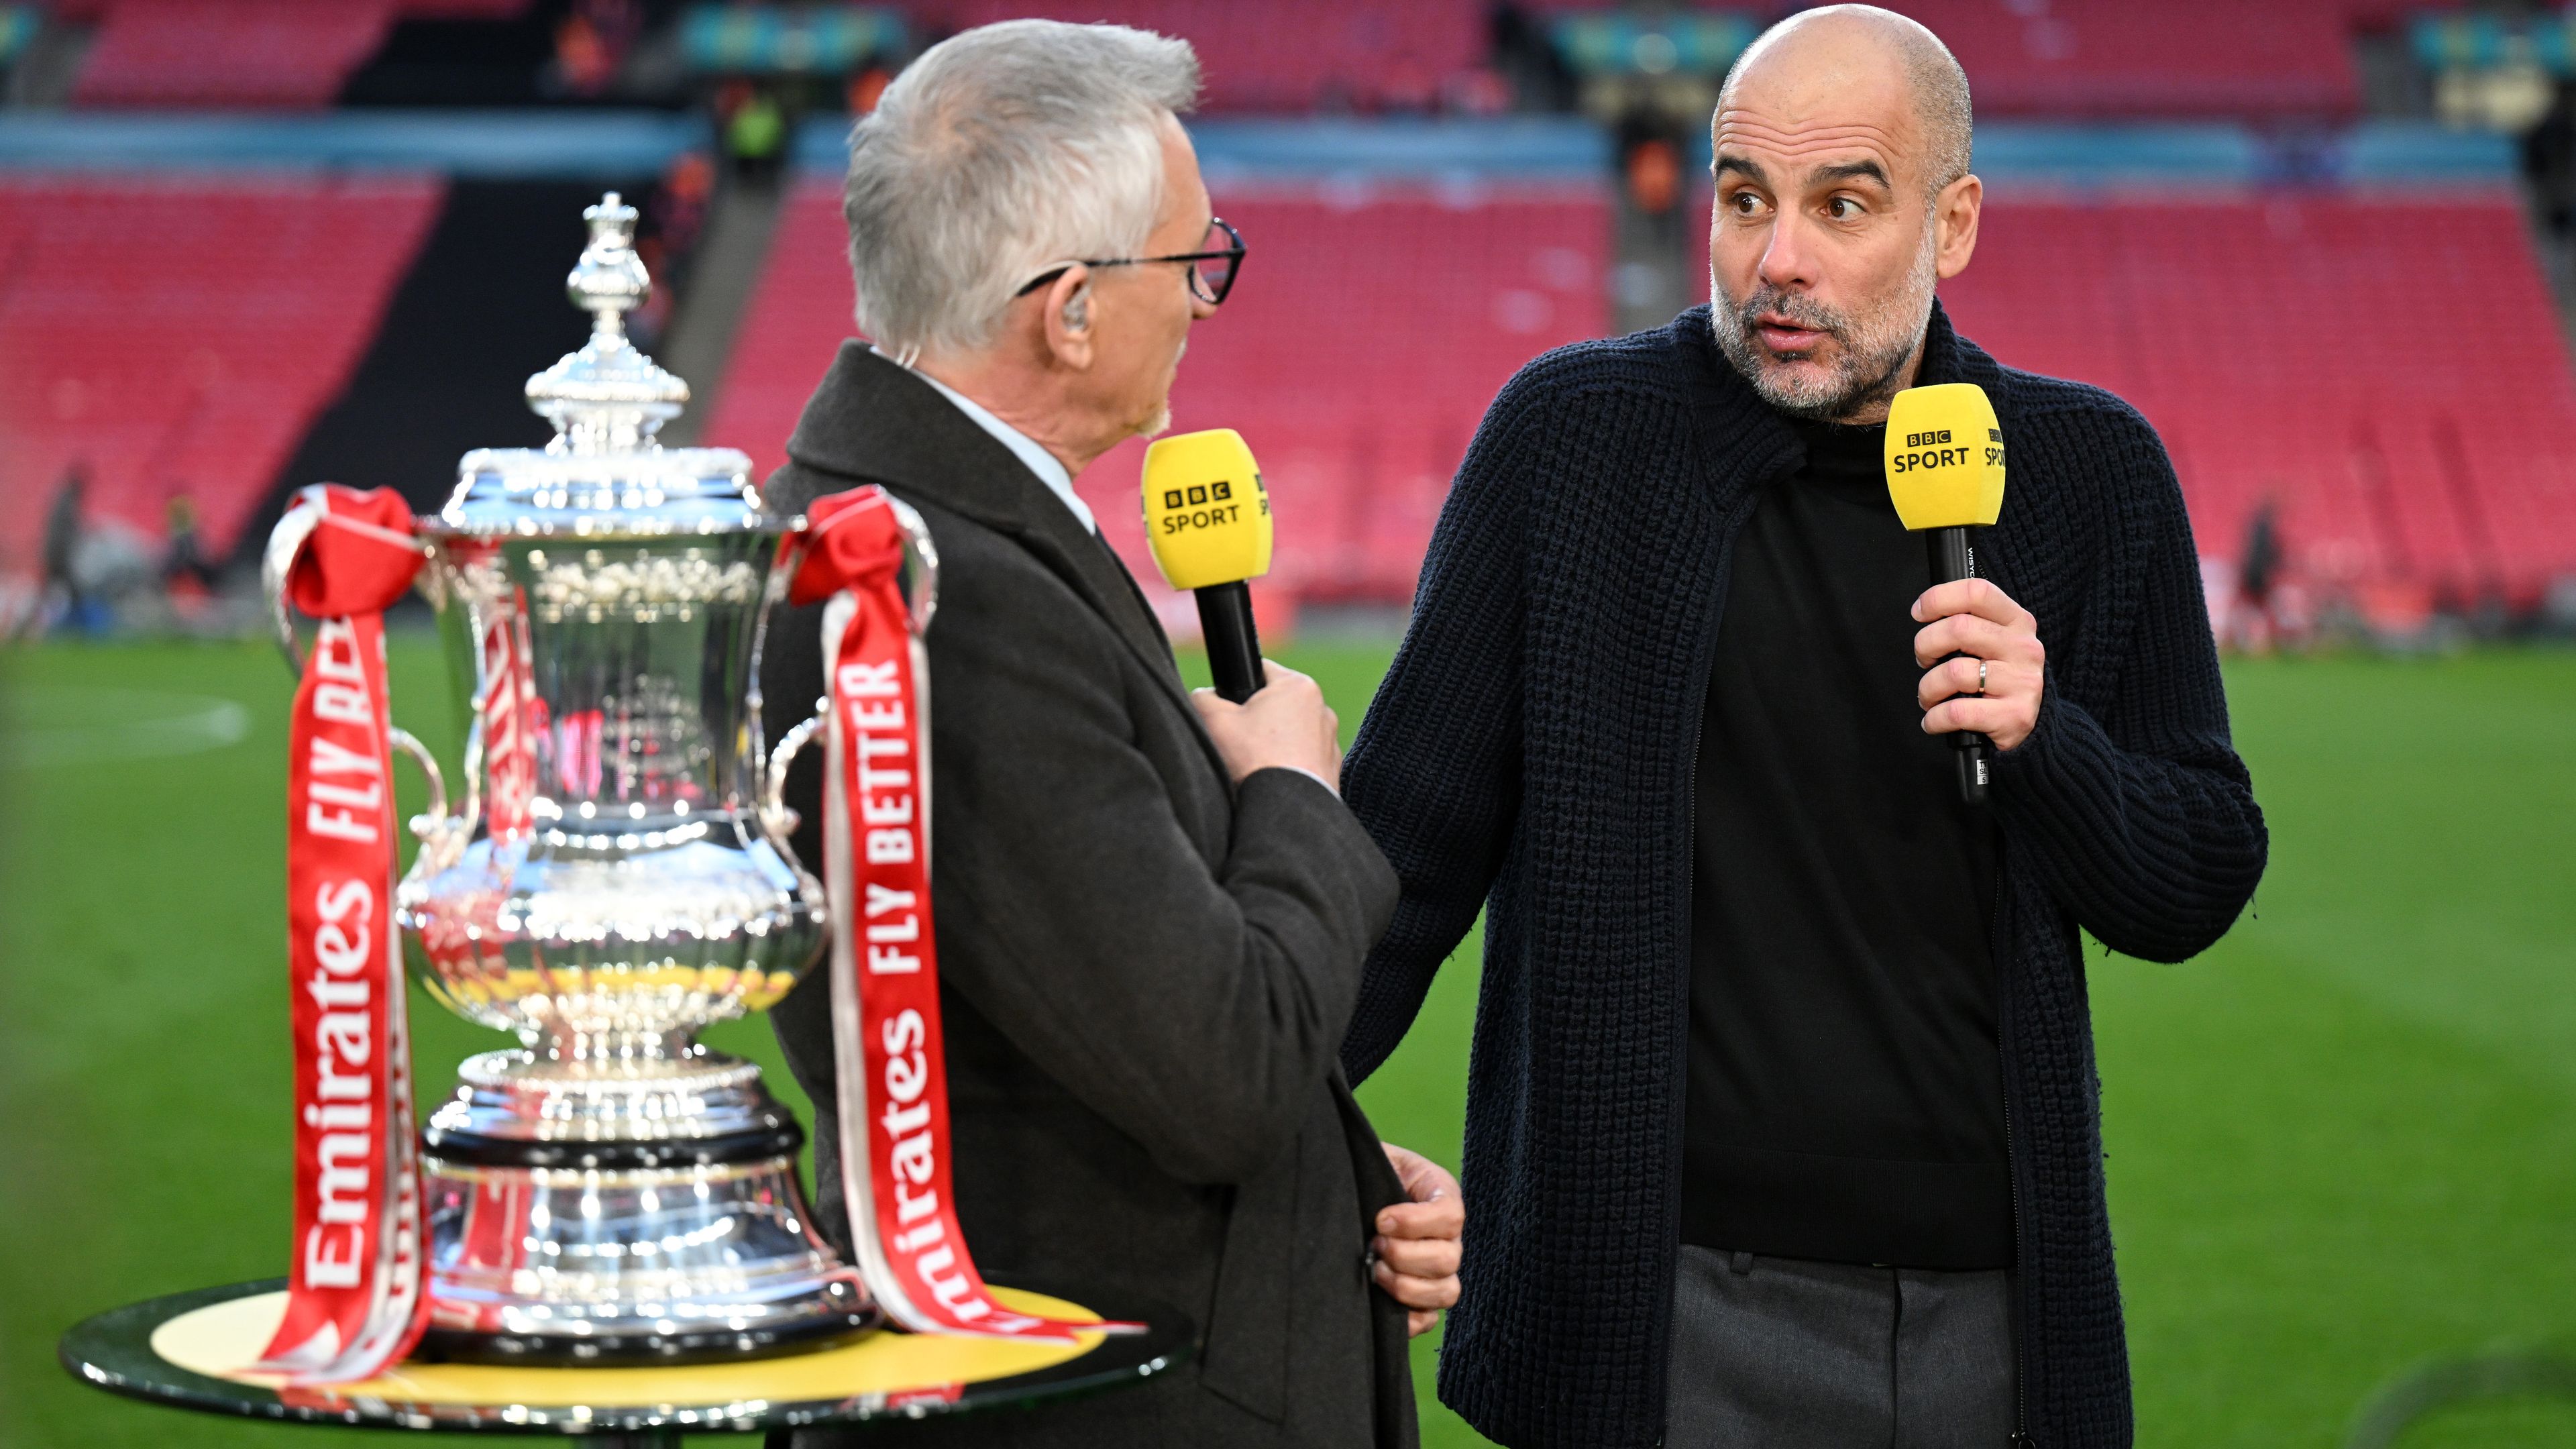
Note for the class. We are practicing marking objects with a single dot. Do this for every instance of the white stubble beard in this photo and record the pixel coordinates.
(1869, 361)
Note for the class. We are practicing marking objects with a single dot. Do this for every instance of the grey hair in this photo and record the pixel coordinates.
(1941, 102)
(1002, 151)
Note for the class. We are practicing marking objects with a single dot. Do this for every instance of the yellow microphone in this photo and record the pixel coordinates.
(1945, 472)
(1207, 518)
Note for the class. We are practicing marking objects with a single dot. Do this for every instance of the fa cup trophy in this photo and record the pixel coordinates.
(614, 875)
(617, 877)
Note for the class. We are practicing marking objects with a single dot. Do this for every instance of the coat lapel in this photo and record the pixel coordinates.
(1746, 442)
(873, 421)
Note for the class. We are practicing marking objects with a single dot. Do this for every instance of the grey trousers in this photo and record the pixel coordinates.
(1780, 1353)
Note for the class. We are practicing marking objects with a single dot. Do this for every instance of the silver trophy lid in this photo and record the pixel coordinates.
(604, 475)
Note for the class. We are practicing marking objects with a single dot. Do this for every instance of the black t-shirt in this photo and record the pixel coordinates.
(1845, 1092)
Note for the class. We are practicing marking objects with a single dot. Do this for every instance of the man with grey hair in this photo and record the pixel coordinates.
(1782, 1129)
(1151, 907)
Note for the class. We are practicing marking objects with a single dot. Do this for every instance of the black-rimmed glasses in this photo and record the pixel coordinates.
(1212, 268)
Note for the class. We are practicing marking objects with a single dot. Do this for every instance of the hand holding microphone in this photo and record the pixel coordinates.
(1285, 725)
(1985, 660)
(1207, 519)
(1945, 473)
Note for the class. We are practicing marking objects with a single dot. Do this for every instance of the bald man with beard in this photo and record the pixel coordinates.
(1782, 1120)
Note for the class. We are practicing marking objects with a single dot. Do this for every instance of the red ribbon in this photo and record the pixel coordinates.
(354, 1298)
(461, 933)
(893, 1073)
(509, 711)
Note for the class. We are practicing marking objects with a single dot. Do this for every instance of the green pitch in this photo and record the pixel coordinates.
(2343, 1144)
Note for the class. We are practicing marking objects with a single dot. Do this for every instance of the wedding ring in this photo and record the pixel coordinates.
(1981, 675)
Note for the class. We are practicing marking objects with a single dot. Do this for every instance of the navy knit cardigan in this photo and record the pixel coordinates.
(1531, 751)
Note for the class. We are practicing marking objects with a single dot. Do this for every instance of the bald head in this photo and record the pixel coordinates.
(1860, 49)
(1843, 198)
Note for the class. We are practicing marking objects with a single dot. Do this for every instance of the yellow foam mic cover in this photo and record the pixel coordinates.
(1207, 516)
(1945, 456)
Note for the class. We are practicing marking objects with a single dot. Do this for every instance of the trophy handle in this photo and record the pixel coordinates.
(921, 592)
(275, 562)
(442, 836)
(776, 819)
(921, 600)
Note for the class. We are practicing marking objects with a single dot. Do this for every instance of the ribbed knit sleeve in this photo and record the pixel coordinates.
(1435, 772)
(2127, 799)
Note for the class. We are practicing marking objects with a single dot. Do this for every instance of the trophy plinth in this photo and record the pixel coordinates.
(612, 1191)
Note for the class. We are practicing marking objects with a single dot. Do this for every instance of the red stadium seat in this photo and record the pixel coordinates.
(181, 335)
(2165, 58)
(1359, 410)
(463, 9)
(175, 54)
(89, 12)
(2269, 341)
(1281, 55)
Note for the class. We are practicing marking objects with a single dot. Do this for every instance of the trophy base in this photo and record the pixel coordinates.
(639, 1348)
(645, 1212)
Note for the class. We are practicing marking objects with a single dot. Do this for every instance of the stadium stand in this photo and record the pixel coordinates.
(1282, 56)
(2386, 462)
(463, 9)
(480, 306)
(2280, 59)
(1452, 251)
(1359, 410)
(458, 54)
(2484, 39)
(174, 54)
(172, 336)
(796, 319)
(18, 26)
(766, 40)
(2452, 468)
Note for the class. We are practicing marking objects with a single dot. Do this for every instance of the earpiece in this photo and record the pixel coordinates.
(1077, 310)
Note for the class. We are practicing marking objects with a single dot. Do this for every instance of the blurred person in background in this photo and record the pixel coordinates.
(865, 88)
(2256, 576)
(185, 574)
(1151, 908)
(681, 202)
(2549, 159)
(65, 597)
(755, 132)
(1652, 163)
(1782, 1124)
(592, 42)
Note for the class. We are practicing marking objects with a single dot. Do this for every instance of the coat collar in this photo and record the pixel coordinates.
(1747, 440)
(873, 421)
(1752, 441)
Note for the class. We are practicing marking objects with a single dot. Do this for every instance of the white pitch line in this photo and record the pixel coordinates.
(116, 724)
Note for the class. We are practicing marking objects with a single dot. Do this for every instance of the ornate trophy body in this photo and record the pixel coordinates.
(617, 879)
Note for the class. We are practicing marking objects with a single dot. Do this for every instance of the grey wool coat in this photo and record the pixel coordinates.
(1145, 973)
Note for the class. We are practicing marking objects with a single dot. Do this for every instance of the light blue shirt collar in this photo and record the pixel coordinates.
(1050, 471)
(1049, 468)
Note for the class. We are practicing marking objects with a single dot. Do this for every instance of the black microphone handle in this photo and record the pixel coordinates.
(1233, 645)
(1954, 557)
